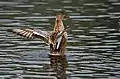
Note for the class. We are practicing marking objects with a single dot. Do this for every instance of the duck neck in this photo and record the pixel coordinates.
(58, 25)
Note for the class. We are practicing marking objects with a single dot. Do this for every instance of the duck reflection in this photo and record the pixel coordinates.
(59, 65)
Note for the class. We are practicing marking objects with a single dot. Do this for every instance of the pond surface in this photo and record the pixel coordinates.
(93, 50)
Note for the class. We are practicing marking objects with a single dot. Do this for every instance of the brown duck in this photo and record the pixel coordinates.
(56, 39)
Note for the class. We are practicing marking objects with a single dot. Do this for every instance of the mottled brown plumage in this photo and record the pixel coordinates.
(57, 39)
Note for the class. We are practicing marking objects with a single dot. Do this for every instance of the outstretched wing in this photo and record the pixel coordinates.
(31, 34)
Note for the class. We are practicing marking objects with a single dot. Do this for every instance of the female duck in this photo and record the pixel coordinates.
(56, 39)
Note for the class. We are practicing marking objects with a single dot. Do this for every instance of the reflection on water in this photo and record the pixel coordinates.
(59, 65)
(93, 49)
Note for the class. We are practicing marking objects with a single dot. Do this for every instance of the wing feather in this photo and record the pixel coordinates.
(29, 33)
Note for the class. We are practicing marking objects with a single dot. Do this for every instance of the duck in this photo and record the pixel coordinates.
(56, 39)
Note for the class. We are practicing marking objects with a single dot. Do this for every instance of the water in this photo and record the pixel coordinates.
(93, 50)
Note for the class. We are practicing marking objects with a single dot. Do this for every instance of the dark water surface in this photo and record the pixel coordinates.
(93, 50)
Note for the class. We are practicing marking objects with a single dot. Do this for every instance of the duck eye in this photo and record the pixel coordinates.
(57, 20)
(66, 17)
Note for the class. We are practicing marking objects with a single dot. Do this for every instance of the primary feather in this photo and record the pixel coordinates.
(29, 33)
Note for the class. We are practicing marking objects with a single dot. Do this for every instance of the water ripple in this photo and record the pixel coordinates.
(93, 40)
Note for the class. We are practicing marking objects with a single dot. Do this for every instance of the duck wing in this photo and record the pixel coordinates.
(32, 34)
(60, 36)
